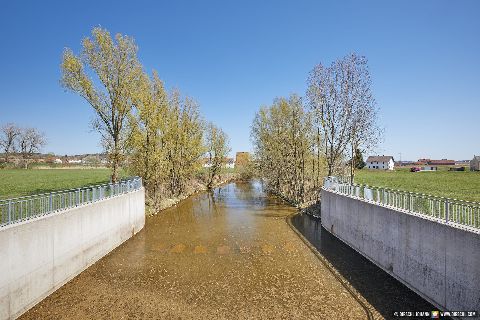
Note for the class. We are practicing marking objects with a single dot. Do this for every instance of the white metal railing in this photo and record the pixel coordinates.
(24, 208)
(449, 210)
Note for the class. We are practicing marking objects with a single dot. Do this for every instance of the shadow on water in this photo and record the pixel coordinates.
(381, 290)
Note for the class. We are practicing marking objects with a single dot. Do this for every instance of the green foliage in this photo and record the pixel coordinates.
(358, 161)
(166, 139)
(287, 150)
(115, 63)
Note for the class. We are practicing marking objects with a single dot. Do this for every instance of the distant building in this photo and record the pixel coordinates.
(475, 163)
(430, 168)
(242, 158)
(380, 162)
(58, 161)
(206, 163)
(74, 161)
(230, 163)
(443, 162)
(430, 162)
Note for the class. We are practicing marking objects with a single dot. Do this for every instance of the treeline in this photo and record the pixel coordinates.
(298, 141)
(158, 135)
(16, 139)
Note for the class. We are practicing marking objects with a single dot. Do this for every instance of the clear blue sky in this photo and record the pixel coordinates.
(234, 56)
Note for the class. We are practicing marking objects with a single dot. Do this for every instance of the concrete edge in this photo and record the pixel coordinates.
(418, 215)
(70, 278)
(62, 211)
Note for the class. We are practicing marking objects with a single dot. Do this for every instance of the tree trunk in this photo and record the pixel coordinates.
(115, 169)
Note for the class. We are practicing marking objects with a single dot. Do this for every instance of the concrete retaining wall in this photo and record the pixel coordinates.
(438, 261)
(40, 255)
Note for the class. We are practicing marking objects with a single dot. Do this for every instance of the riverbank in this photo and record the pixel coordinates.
(194, 188)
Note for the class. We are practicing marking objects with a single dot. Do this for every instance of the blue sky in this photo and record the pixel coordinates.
(234, 56)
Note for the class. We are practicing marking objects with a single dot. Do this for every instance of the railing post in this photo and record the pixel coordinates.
(9, 212)
(447, 211)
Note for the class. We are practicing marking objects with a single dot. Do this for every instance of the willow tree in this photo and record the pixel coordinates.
(148, 123)
(183, 142)
(115, 63)
(285, 149)
(216, 143)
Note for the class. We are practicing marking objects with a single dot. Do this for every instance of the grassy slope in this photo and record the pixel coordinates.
(452, 184)
(20, 182)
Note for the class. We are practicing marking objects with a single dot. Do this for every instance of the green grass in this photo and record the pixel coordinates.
(462, 185)
(21, 182)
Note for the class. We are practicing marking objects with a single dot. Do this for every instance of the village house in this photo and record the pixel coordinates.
(380, 162)
(230, 163)
(475, 163)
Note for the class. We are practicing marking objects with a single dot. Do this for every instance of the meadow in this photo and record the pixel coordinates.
(22, 182)
(464, 185)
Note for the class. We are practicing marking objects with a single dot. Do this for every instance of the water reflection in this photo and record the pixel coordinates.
(380, 289)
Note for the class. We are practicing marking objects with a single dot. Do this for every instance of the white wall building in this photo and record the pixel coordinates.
(380, 163)
(230, 163)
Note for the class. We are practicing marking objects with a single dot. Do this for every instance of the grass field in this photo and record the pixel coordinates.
(21, 182)
(452, 184)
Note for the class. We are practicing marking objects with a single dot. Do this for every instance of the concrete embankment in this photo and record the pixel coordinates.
(38, 256)
(439, 261)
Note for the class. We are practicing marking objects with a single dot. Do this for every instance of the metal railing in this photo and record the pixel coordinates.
(449, 210)
(23, 208)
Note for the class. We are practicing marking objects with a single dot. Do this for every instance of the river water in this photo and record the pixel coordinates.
(229, 254)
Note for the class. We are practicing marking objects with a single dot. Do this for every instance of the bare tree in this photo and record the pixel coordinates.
(30, 141)
(115, 63)
(344, 109)
(8, 138)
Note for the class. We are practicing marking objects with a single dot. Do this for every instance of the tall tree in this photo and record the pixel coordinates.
(216, 141)
(115, 63)
(148, 123)
(344, 109)
(286, 150)
(183, 141)
(9, 134)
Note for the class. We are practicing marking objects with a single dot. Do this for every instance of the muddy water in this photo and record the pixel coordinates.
(223, 255)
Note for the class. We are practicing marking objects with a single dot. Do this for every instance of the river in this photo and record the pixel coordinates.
(229, 254)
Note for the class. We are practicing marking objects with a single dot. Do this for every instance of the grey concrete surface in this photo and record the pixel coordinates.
(439, 261)
(38, 256)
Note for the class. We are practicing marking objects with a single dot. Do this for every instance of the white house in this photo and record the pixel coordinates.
(380, 162)
(58, 161)
(230, 163)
